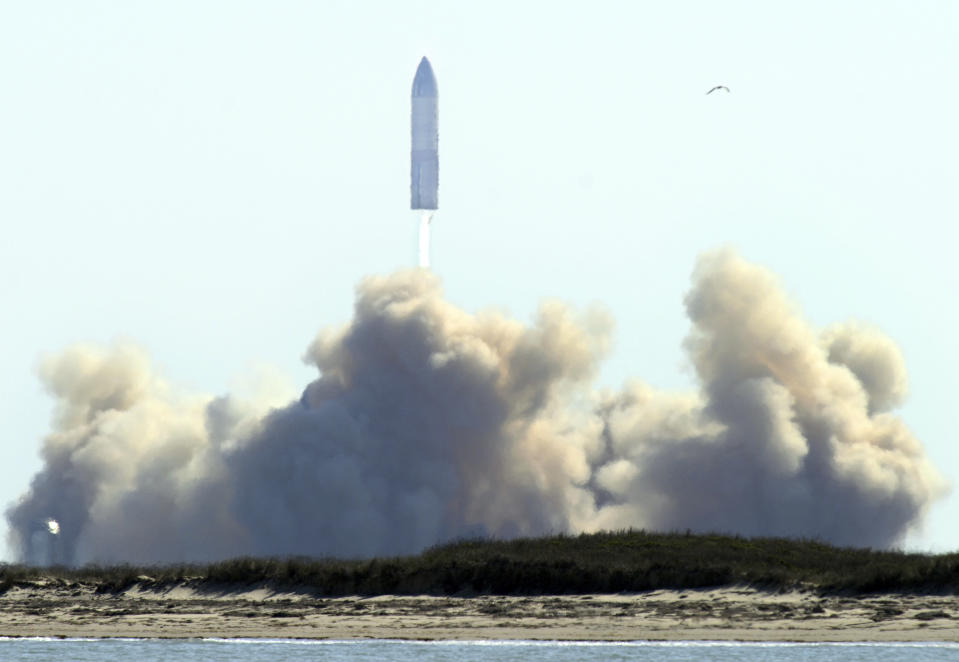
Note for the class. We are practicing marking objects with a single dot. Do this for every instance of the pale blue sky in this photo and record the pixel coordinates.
(211, 179)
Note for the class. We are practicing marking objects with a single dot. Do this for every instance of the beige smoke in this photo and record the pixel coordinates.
(787, 436)
(429, 423)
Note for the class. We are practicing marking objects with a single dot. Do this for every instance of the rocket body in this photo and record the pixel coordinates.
(424, 144)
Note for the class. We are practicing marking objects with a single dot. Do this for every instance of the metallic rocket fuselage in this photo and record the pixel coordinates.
(424, 157)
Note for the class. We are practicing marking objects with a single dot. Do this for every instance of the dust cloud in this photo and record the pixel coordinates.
(429, 423)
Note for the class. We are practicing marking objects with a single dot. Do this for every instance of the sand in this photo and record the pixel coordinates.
(60, 608)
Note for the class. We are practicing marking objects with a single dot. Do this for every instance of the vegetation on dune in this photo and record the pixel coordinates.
(627, 561)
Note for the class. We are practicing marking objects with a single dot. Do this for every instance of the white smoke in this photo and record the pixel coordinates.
(429, 423)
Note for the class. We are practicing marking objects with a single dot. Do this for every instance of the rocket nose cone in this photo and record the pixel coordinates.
(424, 83)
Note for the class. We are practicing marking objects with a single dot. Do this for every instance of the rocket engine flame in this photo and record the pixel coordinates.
(424, 253)
(428, 423)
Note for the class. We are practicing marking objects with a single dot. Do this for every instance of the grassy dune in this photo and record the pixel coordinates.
(590, 563)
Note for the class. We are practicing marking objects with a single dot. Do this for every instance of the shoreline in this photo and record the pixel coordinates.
(532, 643)
(58, 608)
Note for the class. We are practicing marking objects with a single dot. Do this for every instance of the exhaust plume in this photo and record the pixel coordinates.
(428, 423)
(425, 220)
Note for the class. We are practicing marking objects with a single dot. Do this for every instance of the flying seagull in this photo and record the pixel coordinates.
(718, 87)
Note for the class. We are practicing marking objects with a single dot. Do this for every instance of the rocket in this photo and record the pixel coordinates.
(424, 143)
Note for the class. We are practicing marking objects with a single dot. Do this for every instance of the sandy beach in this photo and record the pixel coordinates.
(61, 608)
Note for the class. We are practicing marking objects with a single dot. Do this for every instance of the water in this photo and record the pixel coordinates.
(263, 650)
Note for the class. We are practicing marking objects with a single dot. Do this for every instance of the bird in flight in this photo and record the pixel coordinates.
(718, 87)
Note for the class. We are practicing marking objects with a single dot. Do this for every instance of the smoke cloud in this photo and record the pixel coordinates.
(428, 423)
